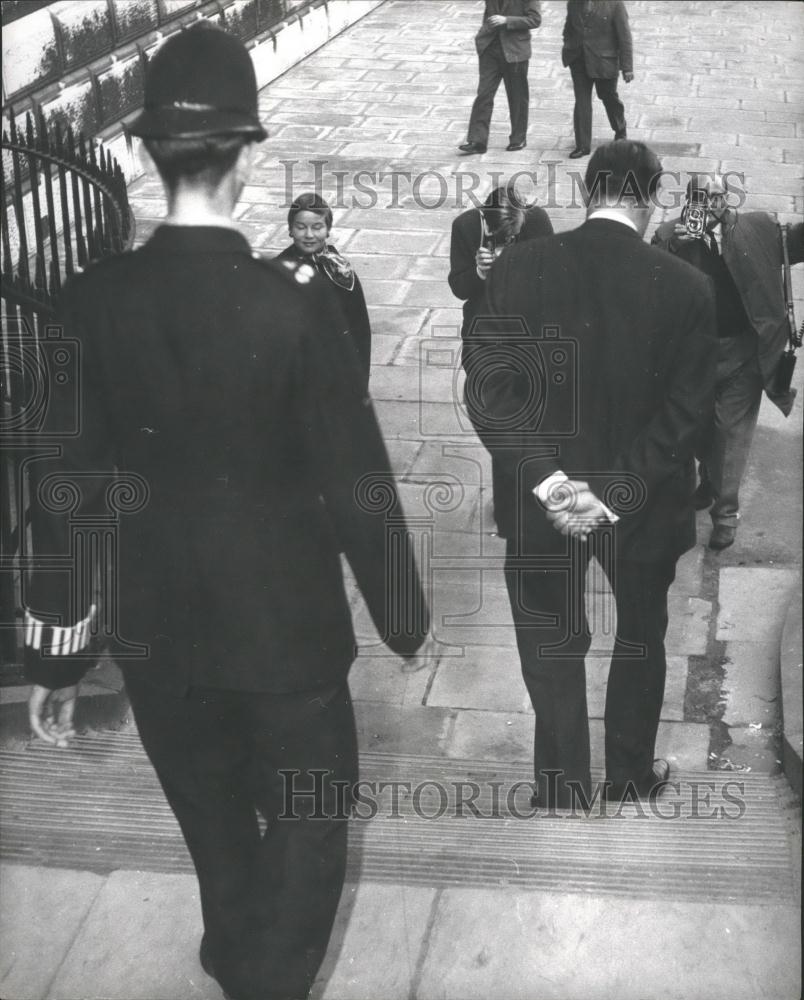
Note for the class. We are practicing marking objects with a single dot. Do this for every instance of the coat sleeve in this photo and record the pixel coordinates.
(795, 243)
(625, 45)
(73, 479)
(463, 278)
(353, 473)
(360, 326)
(528, 21)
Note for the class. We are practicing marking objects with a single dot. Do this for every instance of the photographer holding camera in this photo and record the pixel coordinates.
(479, 235)
(589, 379)
(742, 255)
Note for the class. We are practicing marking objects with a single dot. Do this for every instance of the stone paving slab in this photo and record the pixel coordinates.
(48, 906)
(523, 945)
(155, 956)
(742, 617)
(373, 920)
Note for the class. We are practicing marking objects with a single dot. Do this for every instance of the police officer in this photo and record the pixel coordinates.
(225, 387)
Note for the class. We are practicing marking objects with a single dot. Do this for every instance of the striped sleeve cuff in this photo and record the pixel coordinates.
(55, 640)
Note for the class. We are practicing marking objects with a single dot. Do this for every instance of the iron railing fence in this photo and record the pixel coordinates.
(64, 204)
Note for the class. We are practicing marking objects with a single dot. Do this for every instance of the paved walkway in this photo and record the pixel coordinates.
(374, 119)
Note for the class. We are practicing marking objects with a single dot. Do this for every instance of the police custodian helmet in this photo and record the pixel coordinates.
(199, 83)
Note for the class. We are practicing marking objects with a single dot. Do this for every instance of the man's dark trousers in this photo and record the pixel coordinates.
(493, 68)
(582, 116)
(553, 637)
(268, 901)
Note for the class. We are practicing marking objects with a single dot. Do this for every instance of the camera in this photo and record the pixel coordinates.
(695, 213)
(44, 384)
(543, 367)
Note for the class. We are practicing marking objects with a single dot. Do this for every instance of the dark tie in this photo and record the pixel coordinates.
(714, 249)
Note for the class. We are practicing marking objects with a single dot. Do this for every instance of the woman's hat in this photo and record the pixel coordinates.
(199, 83)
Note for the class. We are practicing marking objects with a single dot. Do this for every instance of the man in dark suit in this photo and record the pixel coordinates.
(503, 49)
(479, 236)
(597, 45)
(589, 381)
(226, 389)
(741, 252)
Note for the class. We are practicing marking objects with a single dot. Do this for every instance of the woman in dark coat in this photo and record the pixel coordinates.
(309, 225)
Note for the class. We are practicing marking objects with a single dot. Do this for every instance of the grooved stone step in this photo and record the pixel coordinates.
(425, 821)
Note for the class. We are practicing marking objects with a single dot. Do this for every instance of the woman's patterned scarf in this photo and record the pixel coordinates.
(337, 268)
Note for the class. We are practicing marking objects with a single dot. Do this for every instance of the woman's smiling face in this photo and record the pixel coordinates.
(309, 232)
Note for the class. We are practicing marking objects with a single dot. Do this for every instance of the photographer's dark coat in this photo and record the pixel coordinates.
(230, 387)
(752, 251)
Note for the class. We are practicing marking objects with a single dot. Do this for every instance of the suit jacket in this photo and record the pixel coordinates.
(353, 304)
(601, 36)
(230, 387)
(752, 251)
(610, 380)
(467, 235)
(523, 16)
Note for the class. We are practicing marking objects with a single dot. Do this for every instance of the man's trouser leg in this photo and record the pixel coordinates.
(553, 637)
(491, 66)
(615, 109)
(635, 690)
(582, 115)
(518, 93)
(269, 902)
(738, 394)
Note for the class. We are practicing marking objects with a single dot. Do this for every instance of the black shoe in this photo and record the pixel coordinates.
(704, 498)
(648, 788)
(468, 148)
(512, 147)
(578, 153)
(722, 537)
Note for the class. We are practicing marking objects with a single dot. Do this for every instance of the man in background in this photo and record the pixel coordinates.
(597, 46)
(741, 252)
(503, 49)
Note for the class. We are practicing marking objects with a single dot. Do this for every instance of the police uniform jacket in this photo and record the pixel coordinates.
(600, 35)
(751, 248)
(228, 391)
(523, 17)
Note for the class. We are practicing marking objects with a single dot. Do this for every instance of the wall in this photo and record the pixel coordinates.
(82, 61)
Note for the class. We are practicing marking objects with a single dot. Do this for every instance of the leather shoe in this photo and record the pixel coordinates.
(722, 537)
(577, 153)
(703, 497)
(512, 147)
(468, 148)
(648, 788)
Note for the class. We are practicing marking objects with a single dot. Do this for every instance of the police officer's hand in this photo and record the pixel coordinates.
(628, 77)
(50, 713)
(484, 258)
(497, 20)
